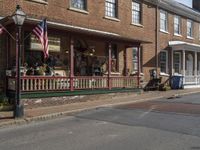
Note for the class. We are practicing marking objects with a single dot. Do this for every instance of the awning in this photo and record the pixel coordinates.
(181, 45)
(83, 30)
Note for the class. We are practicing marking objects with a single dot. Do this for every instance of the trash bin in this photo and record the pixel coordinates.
(177, 82)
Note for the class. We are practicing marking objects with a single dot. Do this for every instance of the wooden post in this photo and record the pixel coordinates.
(71, 58)
(172, 62)
(138, 59)
(125, 62)
(109, 66)
(183, 66)
(195, 67)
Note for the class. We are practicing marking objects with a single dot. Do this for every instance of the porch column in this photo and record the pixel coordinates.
(71, 58)
(172, 62)
(195, 66)
(183, 66)
(109, 66)
(125, 62)
(138, 67)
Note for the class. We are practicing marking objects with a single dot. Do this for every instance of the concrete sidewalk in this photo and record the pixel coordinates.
(34, 111)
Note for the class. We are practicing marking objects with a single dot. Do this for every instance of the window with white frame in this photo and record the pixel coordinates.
(163, 20)
(79, 4)
(177, 25)
(177, 62)
(189, 28)
(164, 61)
(135, 59)
(136, 12)
(111, 8)
(199, 31)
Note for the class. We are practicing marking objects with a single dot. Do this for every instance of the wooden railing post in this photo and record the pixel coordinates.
(71, 55)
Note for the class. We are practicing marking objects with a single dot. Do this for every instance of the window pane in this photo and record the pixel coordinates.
(177, 62)
(136, 12)
(111, 8)
(163, 20)
(79, 4)
(177, 23)
(163, 61)
(189, 28)
(135, 59)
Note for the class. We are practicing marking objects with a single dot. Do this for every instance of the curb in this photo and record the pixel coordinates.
(71, 112)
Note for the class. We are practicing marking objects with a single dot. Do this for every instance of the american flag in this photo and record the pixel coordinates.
(41, 33)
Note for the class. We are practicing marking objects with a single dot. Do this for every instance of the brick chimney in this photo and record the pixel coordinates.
(196, 4)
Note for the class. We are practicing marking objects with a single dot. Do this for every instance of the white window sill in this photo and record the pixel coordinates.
(163, 31)
(190, 38)
(138, 25)
(179, 35)
(39, 1)
(164, 74)
(79, 10)
(113, 19)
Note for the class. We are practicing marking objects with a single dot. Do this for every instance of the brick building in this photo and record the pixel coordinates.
(101, 45)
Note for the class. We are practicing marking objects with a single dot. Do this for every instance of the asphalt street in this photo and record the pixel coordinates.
(129, 127)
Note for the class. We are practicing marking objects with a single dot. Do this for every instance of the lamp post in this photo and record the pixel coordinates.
(19, 16)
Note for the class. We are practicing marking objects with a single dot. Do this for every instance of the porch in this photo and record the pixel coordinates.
(185, 58)
(79, 61)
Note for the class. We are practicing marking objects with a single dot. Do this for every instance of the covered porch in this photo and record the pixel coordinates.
(185, 60)
(80, 59)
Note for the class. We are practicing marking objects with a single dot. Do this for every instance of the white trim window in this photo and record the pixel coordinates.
(199, 31)
(177, 25)
(177, 62)
(164, 61)
(136, 12)
(163, 21)
(135, 59)
(189, 28)
(111, 8)
(79, 4)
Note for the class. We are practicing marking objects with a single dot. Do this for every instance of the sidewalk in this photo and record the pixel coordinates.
(49, 108)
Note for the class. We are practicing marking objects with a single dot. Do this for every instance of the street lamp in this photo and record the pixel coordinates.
(19, 17)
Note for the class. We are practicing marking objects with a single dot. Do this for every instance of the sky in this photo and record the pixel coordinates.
(186, 2)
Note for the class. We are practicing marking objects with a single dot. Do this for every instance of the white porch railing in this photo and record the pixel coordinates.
(45, 83)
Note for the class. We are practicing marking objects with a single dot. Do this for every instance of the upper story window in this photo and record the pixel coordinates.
(136, 12)
(163, 20)
(164, 61)
(189, 28)
(177, 25)
(111, 8)
(79, 4)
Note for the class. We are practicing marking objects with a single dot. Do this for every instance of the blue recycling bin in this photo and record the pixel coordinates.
(177, 82)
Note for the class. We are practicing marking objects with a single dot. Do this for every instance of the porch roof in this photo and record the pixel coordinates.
(181, 45)
(83, 30)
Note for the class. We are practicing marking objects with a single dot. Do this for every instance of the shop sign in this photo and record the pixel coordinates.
(54, 44)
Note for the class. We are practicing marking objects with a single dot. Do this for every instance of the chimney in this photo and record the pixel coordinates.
(196, 4)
